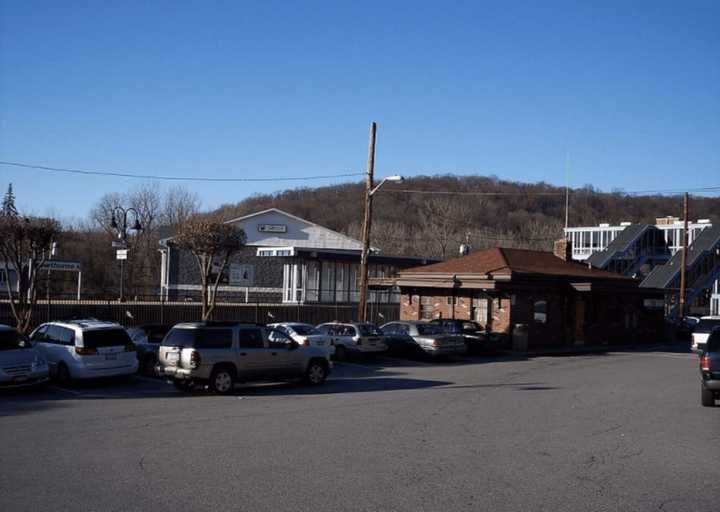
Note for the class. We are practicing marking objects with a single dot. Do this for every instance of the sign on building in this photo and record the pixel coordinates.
(241, 275)
(272, 228)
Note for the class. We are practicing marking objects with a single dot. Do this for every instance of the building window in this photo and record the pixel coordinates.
(452, 300)
(481, 310)
(327, 281)
(426, 307)
(540, 311)
(312, 292)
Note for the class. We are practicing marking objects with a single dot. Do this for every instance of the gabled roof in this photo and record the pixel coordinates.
(623, 241)
(502, 261)
(662, 275)
(347, 243)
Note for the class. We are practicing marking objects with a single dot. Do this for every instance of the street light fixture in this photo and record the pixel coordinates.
(122, 232)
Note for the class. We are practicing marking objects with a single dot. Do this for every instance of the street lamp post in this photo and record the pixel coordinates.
(122, 231)
(370, 190)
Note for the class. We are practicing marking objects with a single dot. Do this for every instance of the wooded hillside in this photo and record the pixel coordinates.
(521, 215)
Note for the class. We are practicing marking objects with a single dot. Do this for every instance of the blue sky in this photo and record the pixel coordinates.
(251, 89)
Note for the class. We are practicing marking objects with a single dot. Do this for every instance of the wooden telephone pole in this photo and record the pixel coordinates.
(361, 313)
(683, 261)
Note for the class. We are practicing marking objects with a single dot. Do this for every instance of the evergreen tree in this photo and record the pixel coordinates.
(8, 204)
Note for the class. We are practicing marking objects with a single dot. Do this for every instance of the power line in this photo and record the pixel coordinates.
(633, 192)
(460, 193)
(122, 174)
(173, 178)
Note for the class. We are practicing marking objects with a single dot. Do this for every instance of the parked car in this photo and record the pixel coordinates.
(477, 339)
(147, 340)
(710, 369)
(220, 354)
(354, 338)
(86, 349)
(701, 330)
(305, 334)
(20, 363)
(427, 338)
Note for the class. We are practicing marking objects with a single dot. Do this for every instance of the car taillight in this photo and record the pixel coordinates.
(705, 363)
(130, 347)
(306, 342)
(194, 359)
(83, 351)
(358, 341)
(435, 343)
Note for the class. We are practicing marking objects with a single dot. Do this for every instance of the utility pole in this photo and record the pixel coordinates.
(683, 261)
(366, 224)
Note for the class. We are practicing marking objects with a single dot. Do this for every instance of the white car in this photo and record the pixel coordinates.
(701, 331)
(354, 338)
(20, 363)
(86, 349)
(305, 334)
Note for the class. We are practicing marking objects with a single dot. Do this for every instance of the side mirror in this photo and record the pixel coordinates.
(293, 345)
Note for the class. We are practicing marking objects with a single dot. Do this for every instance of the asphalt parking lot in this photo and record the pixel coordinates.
(616, 431)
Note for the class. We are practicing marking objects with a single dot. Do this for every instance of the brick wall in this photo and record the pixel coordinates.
(441, 300)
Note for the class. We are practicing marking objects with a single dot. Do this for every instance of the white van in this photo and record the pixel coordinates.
(86, 349)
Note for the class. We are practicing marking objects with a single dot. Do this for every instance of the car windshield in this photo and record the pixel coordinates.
(12, 340)
(106, 338)
(706, 325)
(368, 330)
(425, 329)
(304, 330)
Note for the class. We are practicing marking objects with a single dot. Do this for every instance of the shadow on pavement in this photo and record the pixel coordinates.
(338, 386)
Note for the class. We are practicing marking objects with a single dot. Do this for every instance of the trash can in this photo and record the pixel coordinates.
(520, 338)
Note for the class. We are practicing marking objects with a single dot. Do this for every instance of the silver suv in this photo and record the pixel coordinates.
(223, 353)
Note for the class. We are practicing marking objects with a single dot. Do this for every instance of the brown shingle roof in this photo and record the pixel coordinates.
(502, 261)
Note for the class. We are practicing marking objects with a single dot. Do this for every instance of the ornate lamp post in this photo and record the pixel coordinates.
(120, 213)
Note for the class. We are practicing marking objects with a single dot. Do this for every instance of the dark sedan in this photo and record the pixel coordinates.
(477, 339)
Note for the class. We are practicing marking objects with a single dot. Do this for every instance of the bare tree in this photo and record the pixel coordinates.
(142, 267)
(212, 243)
(444, 222)
(24, 245)
(178, 206)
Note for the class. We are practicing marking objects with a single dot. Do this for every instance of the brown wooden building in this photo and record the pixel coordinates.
(542, 297)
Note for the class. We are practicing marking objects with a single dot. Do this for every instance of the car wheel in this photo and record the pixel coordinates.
(222, 381)
(707, 397)
(316, 373)
(340, 353)
(63, 374)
